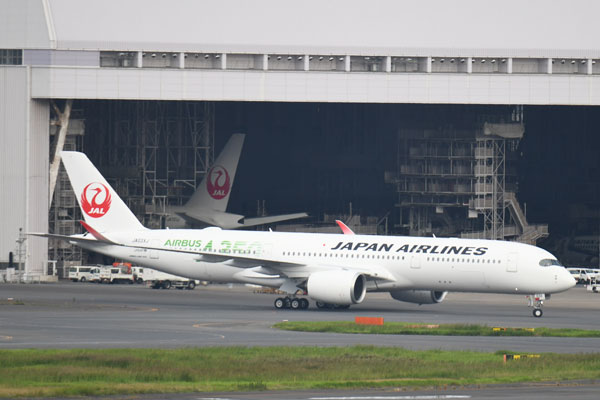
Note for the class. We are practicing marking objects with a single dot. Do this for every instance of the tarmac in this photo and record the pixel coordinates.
(85, 315)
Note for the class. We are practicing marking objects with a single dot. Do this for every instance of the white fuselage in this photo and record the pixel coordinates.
(440, 264)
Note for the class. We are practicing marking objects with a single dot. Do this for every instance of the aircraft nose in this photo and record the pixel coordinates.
(566, 280)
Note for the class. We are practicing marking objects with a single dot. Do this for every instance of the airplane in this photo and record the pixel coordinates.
(335, 270)
(208, 203)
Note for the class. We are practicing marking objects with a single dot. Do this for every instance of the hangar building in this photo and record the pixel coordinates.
(430, 97)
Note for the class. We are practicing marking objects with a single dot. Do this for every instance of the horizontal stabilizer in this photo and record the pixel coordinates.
(232, 221)
(212, 217)
(271, 219)
(95, 233)
(67, 238)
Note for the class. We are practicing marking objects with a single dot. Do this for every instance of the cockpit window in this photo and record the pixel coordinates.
(547, 262)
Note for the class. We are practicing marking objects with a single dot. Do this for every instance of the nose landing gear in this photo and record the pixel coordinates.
(536, 301)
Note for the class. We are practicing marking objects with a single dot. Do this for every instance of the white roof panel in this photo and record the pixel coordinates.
(23, 25)
(517, 28)
(535, 28)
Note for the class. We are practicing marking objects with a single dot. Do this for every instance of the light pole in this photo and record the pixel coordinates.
(20, 242)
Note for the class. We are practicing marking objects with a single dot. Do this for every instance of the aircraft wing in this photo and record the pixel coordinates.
(297, 271)
(287, 269)
(271, 219)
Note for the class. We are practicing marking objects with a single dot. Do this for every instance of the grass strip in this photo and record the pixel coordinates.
(409, 328)
(94, 372)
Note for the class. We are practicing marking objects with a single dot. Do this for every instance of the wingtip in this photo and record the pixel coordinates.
(344, 228)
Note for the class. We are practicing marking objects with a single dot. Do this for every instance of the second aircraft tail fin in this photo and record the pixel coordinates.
(214, 190)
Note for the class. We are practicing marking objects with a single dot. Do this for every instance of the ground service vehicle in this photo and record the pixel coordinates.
(111, 274)
(584, 275)
(80, 273)
(161, 280)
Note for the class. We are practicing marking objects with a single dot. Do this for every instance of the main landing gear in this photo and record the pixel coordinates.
(536, 301)
(291, 302)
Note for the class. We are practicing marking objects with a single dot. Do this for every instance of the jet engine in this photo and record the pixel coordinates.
(339, 287)
(419, 296)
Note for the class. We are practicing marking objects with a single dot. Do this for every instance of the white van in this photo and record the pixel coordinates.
(80, 273)
(584, 275)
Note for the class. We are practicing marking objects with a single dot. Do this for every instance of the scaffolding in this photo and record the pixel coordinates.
(64, 215)
(490, 179)
(453, 182)
(154, 153)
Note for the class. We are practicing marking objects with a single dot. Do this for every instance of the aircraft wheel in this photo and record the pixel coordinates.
(279, 303)
(191, 285)
(295, 304)
(303, 304)
(166, 285)
(537, 312)
(321, 305)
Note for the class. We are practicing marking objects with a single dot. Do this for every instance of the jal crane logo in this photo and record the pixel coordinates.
(218, 182)
(95, 200)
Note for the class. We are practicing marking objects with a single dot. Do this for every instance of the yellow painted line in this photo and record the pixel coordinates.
(514, 329)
